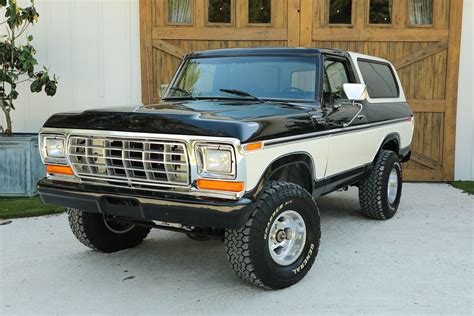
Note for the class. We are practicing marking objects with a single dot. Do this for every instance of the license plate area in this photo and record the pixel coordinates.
(121, 206)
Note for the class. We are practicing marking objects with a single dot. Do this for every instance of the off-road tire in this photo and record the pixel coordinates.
(90, 229)
(373, 197)
(247, 247)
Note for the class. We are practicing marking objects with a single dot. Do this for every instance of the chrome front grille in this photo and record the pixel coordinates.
(129, 162)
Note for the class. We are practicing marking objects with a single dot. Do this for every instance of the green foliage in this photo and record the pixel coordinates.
(26, 207)
(17, 60)
(191, 77)
(466, 186)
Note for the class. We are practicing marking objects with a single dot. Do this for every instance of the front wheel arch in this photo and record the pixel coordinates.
(301, 160)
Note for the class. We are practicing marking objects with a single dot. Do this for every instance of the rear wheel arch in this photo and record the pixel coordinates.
(391, 142)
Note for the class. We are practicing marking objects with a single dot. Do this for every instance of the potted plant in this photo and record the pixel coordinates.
(20, 164)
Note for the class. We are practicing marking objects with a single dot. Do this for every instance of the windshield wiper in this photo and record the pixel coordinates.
(246, 94)
(186, 92)
(241, 93)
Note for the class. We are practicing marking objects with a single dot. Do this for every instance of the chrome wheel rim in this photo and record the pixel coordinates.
(287, 238)
(117, 227)
(392, 187)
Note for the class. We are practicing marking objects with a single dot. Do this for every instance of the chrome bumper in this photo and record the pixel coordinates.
(159, 206)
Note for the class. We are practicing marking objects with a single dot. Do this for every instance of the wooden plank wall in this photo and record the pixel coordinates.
(427, 58)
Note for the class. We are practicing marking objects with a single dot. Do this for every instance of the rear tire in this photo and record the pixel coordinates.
(101, 233)
(279, 243)
(381, 190)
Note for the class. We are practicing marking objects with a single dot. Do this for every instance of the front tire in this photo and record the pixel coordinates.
(102, 233)
(381, 190)
(279, 243)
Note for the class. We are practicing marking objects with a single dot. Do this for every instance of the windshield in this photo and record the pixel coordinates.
(264, 77)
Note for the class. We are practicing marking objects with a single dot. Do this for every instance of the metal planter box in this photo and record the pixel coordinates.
(20, 165)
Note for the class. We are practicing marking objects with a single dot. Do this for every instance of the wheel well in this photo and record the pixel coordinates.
(297, 169)
(391, 142)
(392, 145)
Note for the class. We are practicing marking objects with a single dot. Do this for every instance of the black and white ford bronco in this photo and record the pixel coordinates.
(241, 145)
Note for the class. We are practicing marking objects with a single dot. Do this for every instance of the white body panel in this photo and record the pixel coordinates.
(331, 154)
(258, 161)
(354, 149)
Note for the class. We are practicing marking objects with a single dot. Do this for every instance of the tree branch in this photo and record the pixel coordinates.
(25, 26)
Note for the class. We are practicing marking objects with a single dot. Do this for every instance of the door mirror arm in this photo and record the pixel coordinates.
(357, 115)
(355, 93)
(327, 111)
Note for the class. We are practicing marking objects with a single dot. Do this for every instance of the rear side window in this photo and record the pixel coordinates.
(379, 79)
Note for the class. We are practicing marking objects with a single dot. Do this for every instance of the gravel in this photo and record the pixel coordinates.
(421, 261)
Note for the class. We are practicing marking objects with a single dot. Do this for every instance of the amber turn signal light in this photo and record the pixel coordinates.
(59, 170)
(220, 185)
(253, 146)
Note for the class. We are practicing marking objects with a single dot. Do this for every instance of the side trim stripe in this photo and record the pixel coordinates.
(278, 141)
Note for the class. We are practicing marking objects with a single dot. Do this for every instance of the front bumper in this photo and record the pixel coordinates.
(139, 205)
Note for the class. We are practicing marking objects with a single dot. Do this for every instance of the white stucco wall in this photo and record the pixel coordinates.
(464, 164)
(94, 47)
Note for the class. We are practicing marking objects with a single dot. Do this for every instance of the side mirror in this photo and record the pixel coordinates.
(355, 91)
(163, 88)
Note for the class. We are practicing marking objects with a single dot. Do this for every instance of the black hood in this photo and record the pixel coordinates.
(244, 120)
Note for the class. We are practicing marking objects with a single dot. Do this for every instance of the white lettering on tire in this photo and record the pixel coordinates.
(305, 261)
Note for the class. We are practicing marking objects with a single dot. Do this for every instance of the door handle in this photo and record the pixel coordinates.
(317, 118)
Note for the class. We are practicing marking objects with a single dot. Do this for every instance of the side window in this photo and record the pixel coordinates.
(219, 11)
(260, 11)
(421, 12)
(180, 11)
(340, 12)
(335, 77)
(379, 79)
(380, 12)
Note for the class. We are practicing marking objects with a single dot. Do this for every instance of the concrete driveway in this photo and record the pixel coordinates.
(421, 261)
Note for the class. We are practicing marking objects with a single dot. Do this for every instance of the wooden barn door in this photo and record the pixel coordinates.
(171, 28)
(426, 56)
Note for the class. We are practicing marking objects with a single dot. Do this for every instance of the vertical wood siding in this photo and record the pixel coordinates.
(426, 57)
(94, 47)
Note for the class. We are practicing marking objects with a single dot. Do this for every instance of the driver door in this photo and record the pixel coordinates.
(347, 149)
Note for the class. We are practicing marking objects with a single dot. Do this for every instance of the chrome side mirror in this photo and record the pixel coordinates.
(355, 91)
(163, 88)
